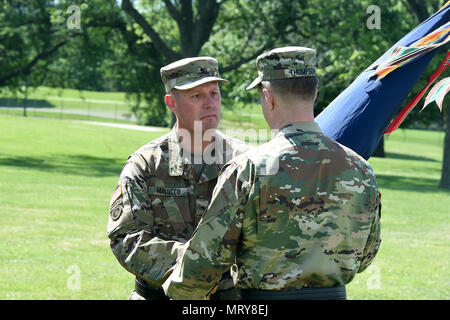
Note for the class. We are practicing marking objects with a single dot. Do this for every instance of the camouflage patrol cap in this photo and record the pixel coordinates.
(285, 63)
(188, 73)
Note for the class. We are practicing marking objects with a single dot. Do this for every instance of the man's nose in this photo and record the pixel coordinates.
(210, 102)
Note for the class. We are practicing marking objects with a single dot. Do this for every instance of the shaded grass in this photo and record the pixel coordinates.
(56, 94)
(112, 104)
(62, 116)
(67, 164)
(56, 178)
(19, 103)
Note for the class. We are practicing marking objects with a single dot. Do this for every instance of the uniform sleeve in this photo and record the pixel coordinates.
(212, 249)
(130, 223)
(373, 240)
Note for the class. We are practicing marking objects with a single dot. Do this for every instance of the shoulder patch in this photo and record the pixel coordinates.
(116, 213)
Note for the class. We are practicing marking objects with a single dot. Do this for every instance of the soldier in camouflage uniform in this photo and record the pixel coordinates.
(295, 218)
(162, 191)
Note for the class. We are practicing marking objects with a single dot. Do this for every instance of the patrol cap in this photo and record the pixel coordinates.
(285, 63)
(188, 73)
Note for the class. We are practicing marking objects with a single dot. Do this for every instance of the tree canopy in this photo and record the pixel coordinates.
(121, 45)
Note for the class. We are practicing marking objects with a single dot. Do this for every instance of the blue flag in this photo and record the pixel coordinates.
(358, 117)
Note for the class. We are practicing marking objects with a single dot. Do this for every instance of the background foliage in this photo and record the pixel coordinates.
(115, 51)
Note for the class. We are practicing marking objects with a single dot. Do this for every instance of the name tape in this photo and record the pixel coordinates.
(168, 191)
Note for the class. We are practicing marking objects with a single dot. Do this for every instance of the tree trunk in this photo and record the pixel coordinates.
(445, 175)
(379, 151)
(25, 104)
(195, 21)
(419, 8)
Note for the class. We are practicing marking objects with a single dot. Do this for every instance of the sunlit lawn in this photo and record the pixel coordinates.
(56, 178)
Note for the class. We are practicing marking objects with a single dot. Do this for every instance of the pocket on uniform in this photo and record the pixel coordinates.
(201, 205)
(171, 209)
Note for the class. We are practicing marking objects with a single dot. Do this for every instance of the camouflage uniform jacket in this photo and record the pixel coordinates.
(159, 201)
(315, 223)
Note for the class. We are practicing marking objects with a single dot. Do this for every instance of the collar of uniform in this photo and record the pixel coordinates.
(220, 146)
(211, 171)
(299, 127)
(176, 163)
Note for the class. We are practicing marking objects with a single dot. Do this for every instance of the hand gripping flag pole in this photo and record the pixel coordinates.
(360, 115)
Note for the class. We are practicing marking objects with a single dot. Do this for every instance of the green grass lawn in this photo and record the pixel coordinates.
(91, 103)
(413, 261)
(56, 178)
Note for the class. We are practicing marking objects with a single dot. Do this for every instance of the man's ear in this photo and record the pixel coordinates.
(268, 96)
(169, 99)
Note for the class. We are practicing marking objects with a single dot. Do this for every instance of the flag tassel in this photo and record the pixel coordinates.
(404, 112)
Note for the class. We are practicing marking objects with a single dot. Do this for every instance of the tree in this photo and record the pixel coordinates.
(122, 45)
(445, 175)
(421, 9)
(27, 40)
(38, 44)
(195, 22)
(37, 47)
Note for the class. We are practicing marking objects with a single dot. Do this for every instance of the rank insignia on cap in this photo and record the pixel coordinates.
(188, 73)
